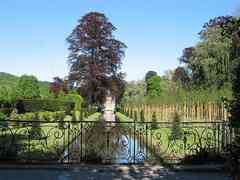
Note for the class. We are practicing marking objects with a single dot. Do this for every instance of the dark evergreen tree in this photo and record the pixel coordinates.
(154, 124)
(135, 116)
(176, 131)
(142, 116)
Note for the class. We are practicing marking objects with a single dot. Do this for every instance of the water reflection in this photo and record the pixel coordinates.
(108, 142)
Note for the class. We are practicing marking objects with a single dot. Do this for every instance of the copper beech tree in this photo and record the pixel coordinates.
(95, 58)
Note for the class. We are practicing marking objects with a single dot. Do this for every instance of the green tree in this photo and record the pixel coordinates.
(154, 87)
(235, 109)
(28, 87)
(210, 61)
(149, 75)
(134, 92)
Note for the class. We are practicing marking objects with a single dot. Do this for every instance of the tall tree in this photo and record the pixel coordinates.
(57, 86)
(210, 61)
(181, 76)
(154, 86)
(28, 87)
(150, 74)
(95, 56)
(235, 109)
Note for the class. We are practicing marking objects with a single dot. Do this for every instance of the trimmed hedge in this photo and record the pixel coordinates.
(42, 116)
(44, 105)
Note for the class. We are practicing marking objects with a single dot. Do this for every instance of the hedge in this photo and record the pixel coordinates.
(44, 105)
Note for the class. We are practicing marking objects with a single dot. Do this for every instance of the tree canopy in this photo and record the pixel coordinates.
(181, 76)
(28, 87)
(211, 60)
(95, 57)
(150, 74)
(154, 86)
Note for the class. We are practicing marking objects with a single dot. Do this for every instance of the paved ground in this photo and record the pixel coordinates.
(107, 173)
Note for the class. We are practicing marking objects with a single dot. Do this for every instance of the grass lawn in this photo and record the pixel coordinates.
(193, 137)
(47, 141)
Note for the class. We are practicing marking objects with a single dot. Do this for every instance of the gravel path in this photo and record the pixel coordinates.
(107, 173)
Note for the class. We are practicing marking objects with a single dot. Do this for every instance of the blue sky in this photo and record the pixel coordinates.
(33, 33)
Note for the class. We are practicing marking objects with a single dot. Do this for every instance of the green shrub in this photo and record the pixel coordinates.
(46, 105)
(41, 116)
(2, 116)
(6, 111)
(28, 117)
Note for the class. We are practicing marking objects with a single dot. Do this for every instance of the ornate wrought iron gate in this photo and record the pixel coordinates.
(118, 142)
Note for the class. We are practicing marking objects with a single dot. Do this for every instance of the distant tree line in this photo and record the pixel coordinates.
(206, 73)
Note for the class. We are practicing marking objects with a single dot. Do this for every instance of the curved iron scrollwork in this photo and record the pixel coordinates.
(115, 142)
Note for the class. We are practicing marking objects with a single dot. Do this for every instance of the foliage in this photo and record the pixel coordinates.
(134, 91)
(46, 105)
(211, 60)
(181, 77)
(2, 116)
(8, 87)
(47, 116)
(176, 132)
(123, 118)
(7, 96)
(154, 87)
(28, 88)
(207, 71)
(57, 86)
(8, 80)
(95, 57)
(235, 103)
(77, 99)
(149, 75)
(172, 93)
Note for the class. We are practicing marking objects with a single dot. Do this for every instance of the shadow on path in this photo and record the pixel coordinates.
(115, 172)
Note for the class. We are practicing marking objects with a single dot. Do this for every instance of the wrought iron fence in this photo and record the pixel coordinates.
(115, 142)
